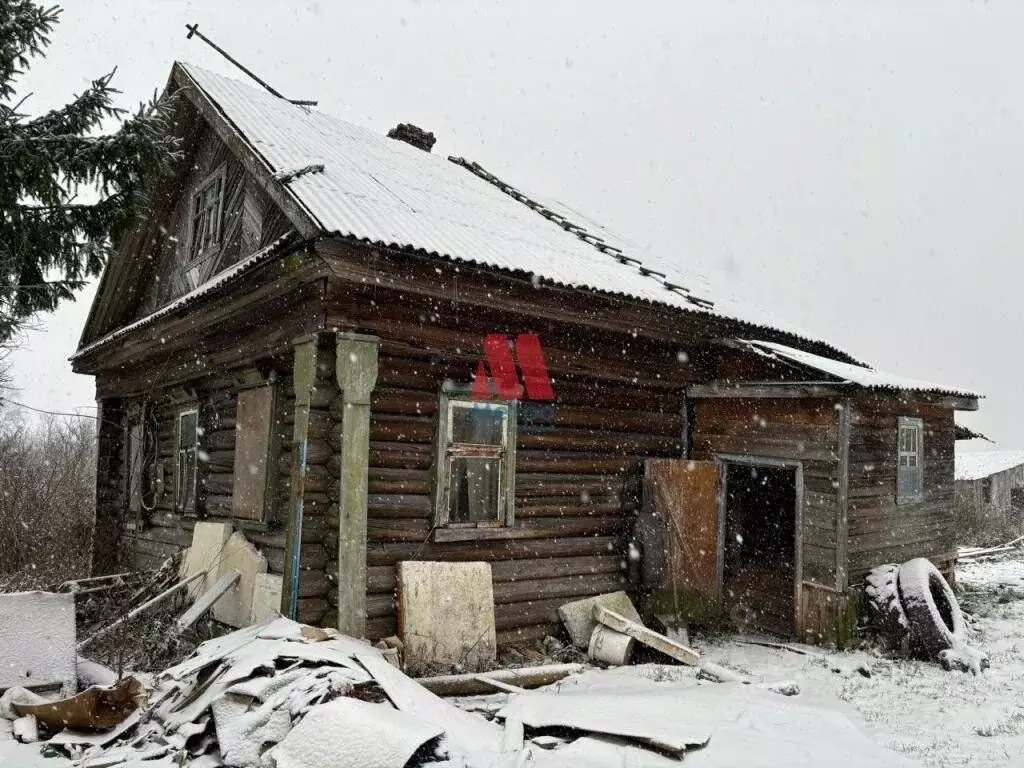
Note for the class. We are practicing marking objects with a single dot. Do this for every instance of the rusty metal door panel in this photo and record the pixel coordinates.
(684, 495)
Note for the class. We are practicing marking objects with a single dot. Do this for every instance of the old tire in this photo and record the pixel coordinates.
(936, 622)
(881, 590)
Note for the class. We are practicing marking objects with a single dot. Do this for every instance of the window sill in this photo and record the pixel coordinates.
(474, 534)
(902, 500)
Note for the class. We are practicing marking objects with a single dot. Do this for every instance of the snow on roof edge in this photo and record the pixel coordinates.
(859, 375)
(223, 277)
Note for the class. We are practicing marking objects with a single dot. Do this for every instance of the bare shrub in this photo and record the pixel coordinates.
(47, 499)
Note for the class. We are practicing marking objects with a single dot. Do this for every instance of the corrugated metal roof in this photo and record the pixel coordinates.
(860, 375)
(222, 278)
(386, 192)
(978, 464)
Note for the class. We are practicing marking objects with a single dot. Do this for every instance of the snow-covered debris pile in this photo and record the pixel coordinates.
(285, 695)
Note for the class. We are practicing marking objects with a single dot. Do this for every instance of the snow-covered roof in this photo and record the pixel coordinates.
(225, 276)
(978, 464)
(861, 375)
(357, 183)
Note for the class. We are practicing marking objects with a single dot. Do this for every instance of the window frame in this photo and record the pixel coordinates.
(447, 451)
(179, 452)
(193, 255)
(917, 424)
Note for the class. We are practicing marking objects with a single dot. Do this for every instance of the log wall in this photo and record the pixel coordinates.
(880, 530)
(577, 486)
(164, 531)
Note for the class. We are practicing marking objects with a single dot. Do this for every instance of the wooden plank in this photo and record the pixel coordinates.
(206, 600)
(685, 497)
(648, 637)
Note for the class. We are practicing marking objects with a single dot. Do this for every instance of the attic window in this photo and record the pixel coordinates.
(207, 205)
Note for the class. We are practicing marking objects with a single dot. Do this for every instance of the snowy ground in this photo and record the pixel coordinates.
(934, 717)
(939, 718)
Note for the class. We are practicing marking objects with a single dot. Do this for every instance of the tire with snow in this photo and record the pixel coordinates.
(885, 609)
(936, 622)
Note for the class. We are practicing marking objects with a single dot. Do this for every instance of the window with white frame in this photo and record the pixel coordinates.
(910, 471)
(476, 463)
(205, 218)
(187, 456)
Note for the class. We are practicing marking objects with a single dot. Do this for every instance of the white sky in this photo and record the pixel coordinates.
(850, 166)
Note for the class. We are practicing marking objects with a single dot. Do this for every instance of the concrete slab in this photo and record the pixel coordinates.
(37, 641)
(578, 615)
(204, 556)
(446, 614)
(235, 608)
(266, 597)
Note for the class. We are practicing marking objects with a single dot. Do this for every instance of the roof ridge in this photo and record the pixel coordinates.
(581, 232)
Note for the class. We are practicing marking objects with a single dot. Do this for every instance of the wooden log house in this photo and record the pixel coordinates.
(291, 341)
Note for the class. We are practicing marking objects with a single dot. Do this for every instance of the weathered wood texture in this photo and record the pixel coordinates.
(882, 531)
(826, 616)
(578, 460)
(165, 531)
(685, 507)
(986, 505)
(804, 430)
(110, 548)
(248, 221)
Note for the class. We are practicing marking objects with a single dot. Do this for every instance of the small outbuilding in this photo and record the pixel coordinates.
(989, 490)
(361, 353)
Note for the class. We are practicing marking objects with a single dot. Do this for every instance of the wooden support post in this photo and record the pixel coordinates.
(110, 497)
(843, 493)
(304, 380)
(356, 363)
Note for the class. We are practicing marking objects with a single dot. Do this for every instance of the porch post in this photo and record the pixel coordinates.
(304, 381)
(356, 362)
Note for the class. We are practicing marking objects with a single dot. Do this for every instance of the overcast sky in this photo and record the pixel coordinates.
(853, 167)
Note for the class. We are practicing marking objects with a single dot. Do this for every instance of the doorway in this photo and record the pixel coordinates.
(759, 545)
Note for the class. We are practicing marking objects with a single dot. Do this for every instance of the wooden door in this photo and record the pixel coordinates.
(684, 502)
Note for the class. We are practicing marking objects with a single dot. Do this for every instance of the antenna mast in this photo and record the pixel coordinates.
(193, 29)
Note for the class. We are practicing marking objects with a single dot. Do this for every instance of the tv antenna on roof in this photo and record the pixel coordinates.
(193, 29)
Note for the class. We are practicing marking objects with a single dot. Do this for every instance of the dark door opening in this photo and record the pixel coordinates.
(759, 550)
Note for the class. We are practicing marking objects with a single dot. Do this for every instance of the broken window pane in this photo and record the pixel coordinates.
(206, 205)
(475, 490)
(478, 423)
(476, 467)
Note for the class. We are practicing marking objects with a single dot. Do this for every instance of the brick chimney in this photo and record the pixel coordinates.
(413, 134)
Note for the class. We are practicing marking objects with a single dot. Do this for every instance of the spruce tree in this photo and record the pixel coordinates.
(69, 185)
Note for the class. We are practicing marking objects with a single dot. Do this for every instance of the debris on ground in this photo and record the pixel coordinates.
(578, 615)
(285, 695)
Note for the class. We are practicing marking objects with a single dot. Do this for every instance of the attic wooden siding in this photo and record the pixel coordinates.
(880, 530)
(249, 221)
(796, 429)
